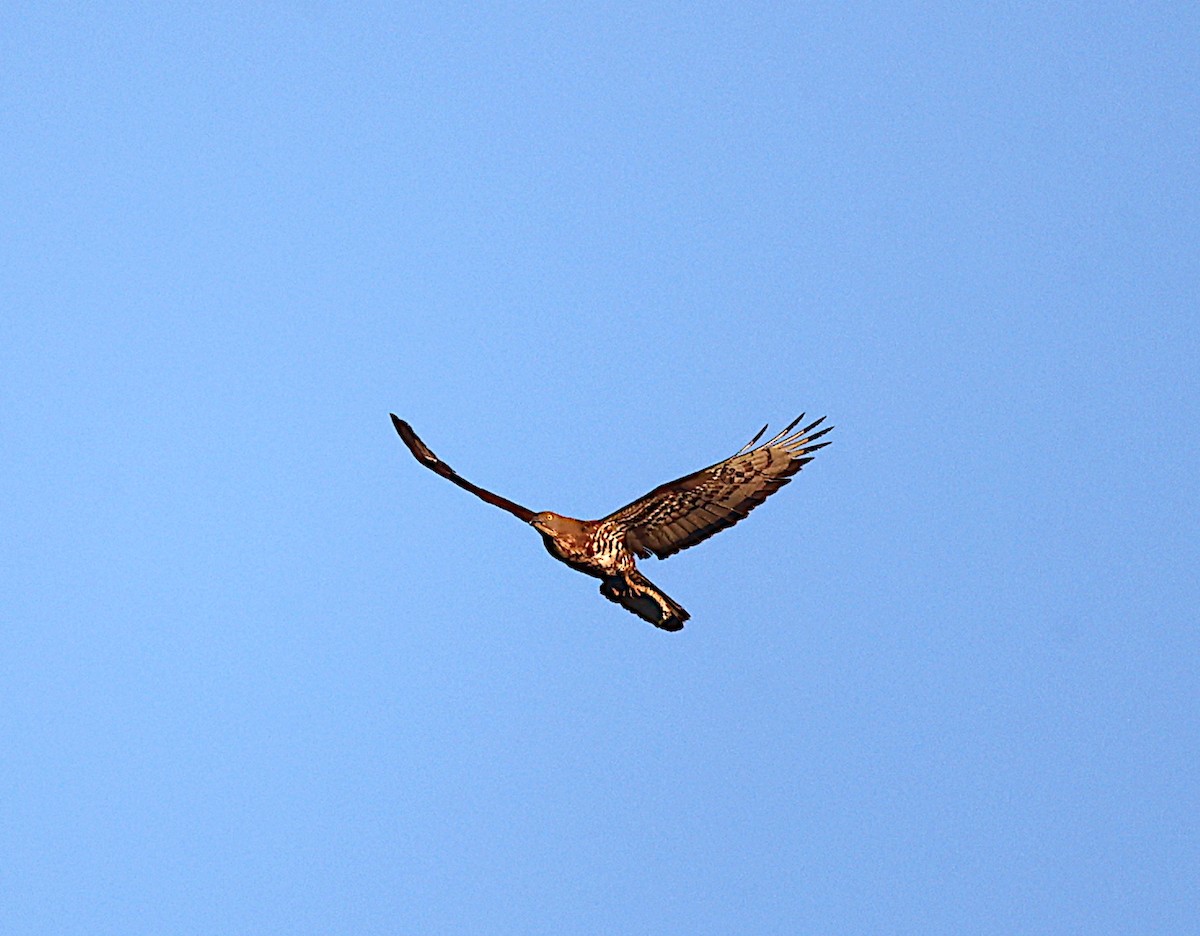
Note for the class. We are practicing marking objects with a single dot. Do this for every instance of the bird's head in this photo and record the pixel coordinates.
(547, 522)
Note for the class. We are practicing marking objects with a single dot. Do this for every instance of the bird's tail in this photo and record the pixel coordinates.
(634, 592)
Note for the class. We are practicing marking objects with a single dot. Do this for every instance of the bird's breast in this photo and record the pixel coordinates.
(572, 553)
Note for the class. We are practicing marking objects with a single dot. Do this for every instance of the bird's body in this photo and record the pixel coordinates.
(672, 517)
(597, 548)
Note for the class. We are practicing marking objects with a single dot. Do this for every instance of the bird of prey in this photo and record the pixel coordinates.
(672, 517)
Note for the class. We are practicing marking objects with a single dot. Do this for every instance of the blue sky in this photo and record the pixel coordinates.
(260, 672)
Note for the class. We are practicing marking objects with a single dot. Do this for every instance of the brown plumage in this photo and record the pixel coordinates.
(672, 517)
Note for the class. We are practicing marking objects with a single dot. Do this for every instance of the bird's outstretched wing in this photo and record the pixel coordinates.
(689, 510)
(422, 454)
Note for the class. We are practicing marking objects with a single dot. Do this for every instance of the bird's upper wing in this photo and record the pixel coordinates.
(689, 510)
(422, 454)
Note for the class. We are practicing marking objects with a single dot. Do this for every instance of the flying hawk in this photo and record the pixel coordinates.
(672, 517)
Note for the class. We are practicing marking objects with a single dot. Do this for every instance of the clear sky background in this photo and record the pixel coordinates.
(262, 673)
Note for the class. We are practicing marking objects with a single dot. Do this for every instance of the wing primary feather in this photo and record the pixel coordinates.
(817, 435)
(811, 426)
(790, 426)
(802, 439)
(749, 445)
(809, 450)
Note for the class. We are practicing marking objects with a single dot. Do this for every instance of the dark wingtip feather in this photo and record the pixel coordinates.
(811, 426)
(758, 435)
(419, 449)
(809, 449)
(792, 424)
(782, 433)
